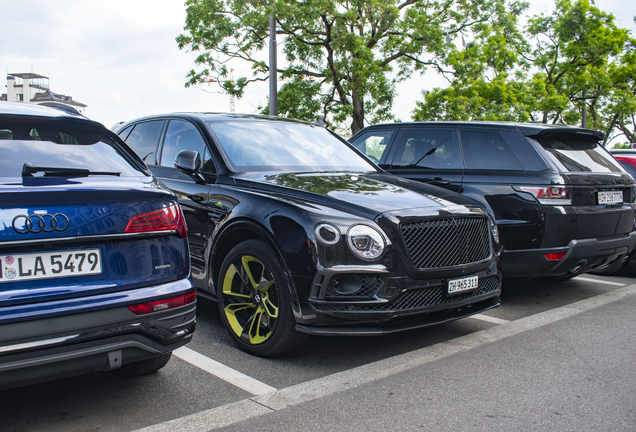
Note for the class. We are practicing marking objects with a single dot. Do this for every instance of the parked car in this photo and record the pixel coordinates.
(94, 260)
(628, 162)
(294, 232)
(622, 151)
(562, 203)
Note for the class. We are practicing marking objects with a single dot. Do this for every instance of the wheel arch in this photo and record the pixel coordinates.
(238, 232)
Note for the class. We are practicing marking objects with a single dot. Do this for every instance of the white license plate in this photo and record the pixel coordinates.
(464, 284)
(610, 197)
(46, 265)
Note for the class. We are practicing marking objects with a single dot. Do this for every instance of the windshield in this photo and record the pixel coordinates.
(575, 152)
(284, 146)
(61, 143)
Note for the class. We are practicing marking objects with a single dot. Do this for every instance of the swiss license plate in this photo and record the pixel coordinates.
(456, 286)
(610, 197)
(46, 265)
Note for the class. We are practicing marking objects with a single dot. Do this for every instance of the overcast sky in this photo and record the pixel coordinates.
(120, 57)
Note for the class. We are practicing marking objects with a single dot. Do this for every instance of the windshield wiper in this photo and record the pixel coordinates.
(428, 153)
(28, 170)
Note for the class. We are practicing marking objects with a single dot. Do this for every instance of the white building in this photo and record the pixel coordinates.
(34, 88)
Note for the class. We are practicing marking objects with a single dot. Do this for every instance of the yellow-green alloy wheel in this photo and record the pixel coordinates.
(254, 300)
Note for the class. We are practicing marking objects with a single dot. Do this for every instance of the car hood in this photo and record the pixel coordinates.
(367, 194)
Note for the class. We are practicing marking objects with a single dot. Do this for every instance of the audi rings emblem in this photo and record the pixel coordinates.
(37, 223)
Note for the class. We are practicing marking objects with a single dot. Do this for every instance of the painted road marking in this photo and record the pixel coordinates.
(489, 319)
(219, 370)
(600, 281)
(236, 412)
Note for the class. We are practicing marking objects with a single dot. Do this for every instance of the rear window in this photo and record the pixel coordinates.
(62, 143)
(578, 153)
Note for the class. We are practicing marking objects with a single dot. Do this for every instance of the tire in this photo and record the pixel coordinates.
(145, 367)
(255, 301)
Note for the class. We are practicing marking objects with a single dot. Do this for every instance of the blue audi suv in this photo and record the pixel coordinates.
(94, 258)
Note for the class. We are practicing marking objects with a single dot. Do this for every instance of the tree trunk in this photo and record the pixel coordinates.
(358, 112)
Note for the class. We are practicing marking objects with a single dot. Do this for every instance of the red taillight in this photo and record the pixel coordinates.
(167, 219)
(555, 256)
(161, 305)
(553, 195)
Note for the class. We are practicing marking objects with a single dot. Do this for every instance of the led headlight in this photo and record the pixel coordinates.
(495, 231)
(365, 242)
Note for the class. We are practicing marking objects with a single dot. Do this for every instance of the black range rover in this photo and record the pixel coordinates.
(294, 232)
(562, 203)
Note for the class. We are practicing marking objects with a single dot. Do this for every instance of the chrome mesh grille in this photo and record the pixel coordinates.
(418, 298)
(447, 242)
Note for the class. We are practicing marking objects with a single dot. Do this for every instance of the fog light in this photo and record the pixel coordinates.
(347, 285)
(555, 256)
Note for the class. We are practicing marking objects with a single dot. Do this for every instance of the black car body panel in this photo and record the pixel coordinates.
(228, 202)
(498, 164)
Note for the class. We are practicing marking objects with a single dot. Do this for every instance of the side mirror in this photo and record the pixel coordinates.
(189, 161)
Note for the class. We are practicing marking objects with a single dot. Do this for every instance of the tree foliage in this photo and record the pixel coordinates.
(566, 60)
(342, 58)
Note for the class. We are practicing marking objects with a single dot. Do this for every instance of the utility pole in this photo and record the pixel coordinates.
(584, 113)
(273, 87)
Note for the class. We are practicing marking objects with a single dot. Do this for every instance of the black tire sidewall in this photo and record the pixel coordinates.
(286, 322)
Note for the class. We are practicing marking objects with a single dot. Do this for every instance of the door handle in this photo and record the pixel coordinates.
(437, 181)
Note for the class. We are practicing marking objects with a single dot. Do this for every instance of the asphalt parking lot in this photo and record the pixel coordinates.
(211, 384)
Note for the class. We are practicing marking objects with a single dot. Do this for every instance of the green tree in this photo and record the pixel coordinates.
(621, 108)
(573, 48)
(572, 58)
(342, 58)
(488, 80)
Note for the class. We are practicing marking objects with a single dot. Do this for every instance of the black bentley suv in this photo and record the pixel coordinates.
(294, 232)
(562, 203)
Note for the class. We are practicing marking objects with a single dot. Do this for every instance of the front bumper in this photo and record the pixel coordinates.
(387, 304)
(580, 256)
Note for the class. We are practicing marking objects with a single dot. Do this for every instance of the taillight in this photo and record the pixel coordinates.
(162, 305)
(167, 219)
(555, 256)
(551, 195)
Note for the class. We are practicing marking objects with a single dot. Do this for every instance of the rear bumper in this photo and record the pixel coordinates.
(54, 347)
(580, 256)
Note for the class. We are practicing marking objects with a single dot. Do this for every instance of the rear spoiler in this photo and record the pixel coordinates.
(529, 131)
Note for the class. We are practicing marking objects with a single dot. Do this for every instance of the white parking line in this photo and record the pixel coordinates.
(219, 370)
(490, 319)
(600, 281)
(230, 414)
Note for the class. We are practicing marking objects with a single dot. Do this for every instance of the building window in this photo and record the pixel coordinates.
(19, 97)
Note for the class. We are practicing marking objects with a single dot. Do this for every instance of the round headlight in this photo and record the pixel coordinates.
(365, 242)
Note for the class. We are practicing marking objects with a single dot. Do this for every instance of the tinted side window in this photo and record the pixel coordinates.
(144, 138)
(374, 143)
(426, 149)
(183, 135)
(487, 150)
(124, 133)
